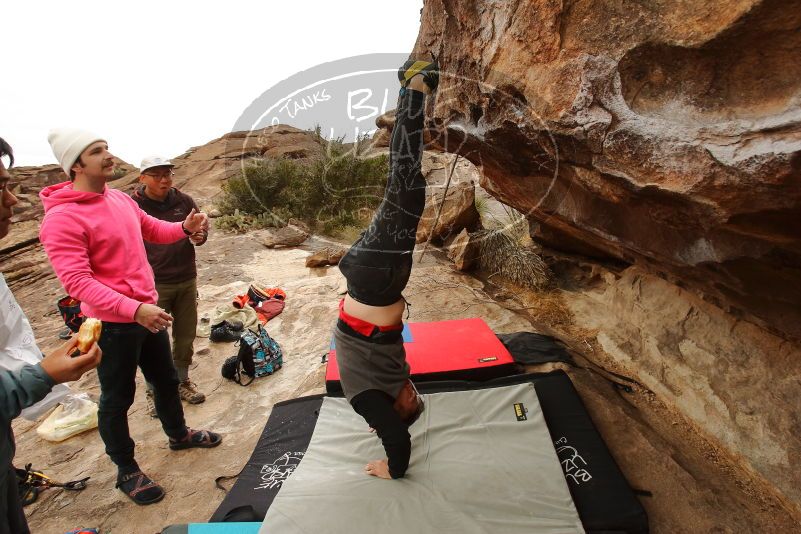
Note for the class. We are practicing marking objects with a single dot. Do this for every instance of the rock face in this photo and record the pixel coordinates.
(325, 256)
(288, 236)
(383, 134)
(661, 133)
(28, 212)
(665, 135)
(202, 169)
(464, 251)
(459, 210)
(735, 379)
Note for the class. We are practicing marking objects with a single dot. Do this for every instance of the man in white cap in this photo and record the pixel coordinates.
(93, 236)
(174, 268)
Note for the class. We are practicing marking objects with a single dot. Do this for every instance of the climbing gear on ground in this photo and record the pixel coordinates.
(233, 369)
(31, 483)
(268, 302)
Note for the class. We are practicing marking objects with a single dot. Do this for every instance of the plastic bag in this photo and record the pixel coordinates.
(18, 348)
(76, 414)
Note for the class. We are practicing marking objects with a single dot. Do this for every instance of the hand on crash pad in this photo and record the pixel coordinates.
(378, 468)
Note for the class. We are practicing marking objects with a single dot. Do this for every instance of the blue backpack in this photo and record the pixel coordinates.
(259, 355)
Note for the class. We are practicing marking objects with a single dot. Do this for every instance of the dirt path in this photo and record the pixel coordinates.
(692, 491)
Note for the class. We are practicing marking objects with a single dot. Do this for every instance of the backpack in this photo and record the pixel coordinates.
(259, 355)
(70, 310)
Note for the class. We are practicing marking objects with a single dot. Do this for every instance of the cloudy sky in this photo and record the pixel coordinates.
(160, 77)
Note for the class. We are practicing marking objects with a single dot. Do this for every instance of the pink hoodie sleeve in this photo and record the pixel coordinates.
(155, 230)
(67, 250)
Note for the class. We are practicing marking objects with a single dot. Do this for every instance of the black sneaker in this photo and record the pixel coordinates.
(429, 70)
(65, 334)
(223, 332)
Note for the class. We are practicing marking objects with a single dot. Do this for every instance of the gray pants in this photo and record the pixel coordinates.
(365, 364)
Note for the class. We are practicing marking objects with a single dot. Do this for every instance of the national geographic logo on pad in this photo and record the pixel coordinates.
(520, 411)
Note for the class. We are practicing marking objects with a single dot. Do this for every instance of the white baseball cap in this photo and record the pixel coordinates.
(154, 161)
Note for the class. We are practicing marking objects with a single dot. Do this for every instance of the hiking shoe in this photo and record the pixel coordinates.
(189, 393)
(151, 404)
(429, 70)
(223, 332)
(204, 439)
(236, 325)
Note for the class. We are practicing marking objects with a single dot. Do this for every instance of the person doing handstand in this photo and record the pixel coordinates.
(369, 343)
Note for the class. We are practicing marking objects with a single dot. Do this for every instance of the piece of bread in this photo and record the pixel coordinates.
(89, 334)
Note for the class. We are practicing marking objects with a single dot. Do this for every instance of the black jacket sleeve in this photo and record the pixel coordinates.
(376, 408)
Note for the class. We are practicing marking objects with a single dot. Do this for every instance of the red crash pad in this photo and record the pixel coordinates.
(463, 349)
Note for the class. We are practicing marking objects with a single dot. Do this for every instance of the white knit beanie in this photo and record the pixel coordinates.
(68, 143)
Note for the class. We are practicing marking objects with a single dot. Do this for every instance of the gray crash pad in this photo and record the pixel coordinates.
(482, 462)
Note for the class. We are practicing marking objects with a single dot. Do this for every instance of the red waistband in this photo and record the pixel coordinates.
(363, 327)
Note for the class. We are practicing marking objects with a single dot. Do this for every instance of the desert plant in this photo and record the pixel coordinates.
(506, 250)
(336, 190)
(502, 254)
(482, 206)
(240, 222)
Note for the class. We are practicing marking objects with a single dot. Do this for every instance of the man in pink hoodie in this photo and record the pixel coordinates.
(93, 236)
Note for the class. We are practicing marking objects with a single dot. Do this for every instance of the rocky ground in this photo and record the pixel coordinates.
(695, 487)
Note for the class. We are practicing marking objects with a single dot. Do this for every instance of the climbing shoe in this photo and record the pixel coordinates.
(429, 70)
(224, 332)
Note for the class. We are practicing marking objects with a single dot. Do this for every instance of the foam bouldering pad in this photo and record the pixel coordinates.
(463, 349)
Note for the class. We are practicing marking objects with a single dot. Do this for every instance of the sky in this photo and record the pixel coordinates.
(161, 77)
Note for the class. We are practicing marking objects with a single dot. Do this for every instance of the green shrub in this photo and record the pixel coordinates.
(240, 222)
(329, 193)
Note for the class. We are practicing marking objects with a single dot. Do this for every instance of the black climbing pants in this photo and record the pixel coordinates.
(127, 346)
(378, 264)
(12, 517)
